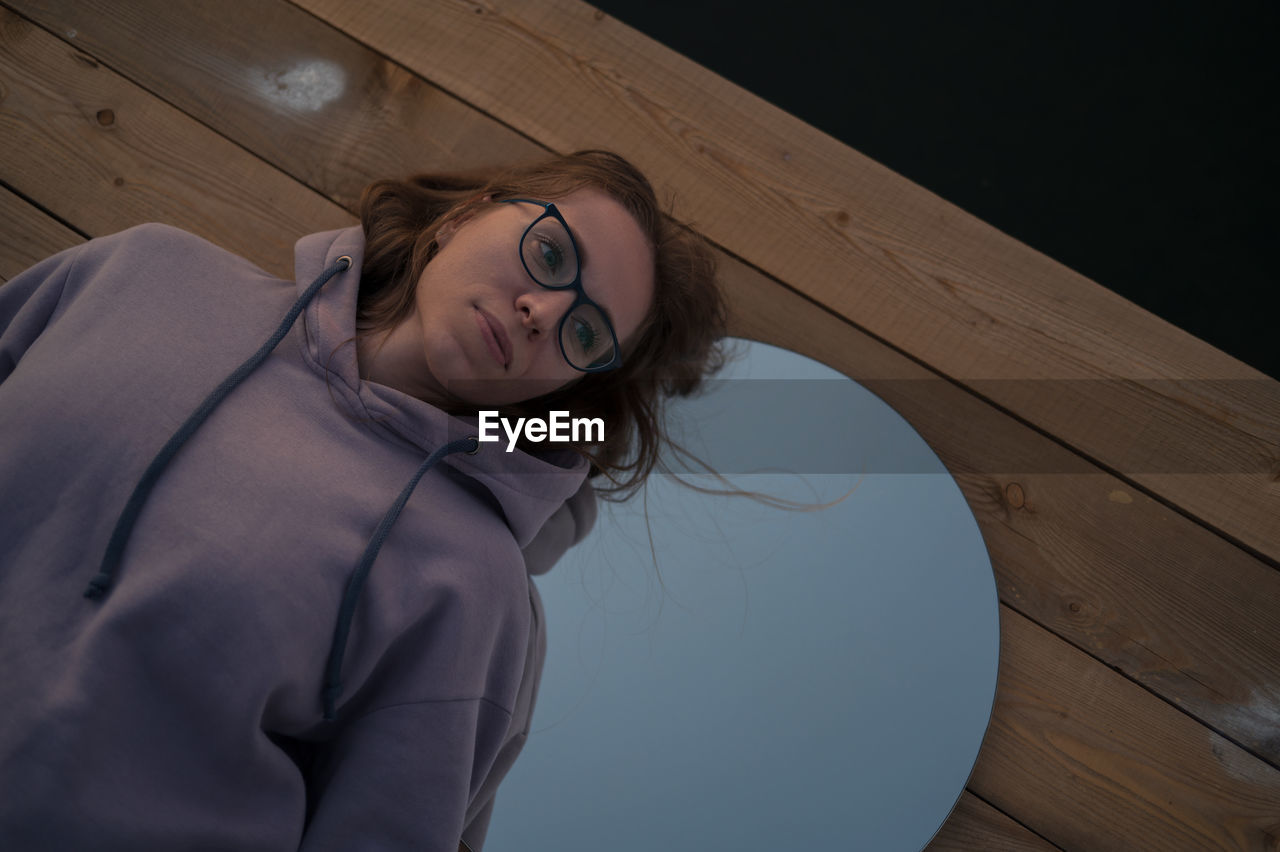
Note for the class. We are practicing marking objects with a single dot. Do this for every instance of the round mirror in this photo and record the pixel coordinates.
(725, 673)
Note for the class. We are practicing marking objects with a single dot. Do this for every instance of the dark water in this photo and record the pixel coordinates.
(1134, 142)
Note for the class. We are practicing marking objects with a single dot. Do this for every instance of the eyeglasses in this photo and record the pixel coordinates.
(550, 256)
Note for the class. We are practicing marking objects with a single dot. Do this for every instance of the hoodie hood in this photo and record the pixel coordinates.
(528, 488)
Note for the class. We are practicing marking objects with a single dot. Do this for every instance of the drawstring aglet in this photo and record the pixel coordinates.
(98, 586)
(330, 698)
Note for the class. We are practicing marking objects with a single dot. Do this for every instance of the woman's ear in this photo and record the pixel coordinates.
(446, 231)
(465, 211)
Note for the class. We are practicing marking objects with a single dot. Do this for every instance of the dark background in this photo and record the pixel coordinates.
(1133, 142)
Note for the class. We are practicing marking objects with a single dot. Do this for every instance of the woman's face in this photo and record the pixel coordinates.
(487, 331)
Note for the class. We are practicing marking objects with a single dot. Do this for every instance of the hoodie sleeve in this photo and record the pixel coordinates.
(386, 786)
(27, 302)
(424, 775)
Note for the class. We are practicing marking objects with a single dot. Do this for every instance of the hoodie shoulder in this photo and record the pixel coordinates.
(152, 250)
(150, 235)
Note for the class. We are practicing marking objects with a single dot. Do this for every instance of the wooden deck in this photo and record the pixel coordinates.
(1125, 475)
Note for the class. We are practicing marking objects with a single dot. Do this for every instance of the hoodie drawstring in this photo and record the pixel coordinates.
(333, 669)
(101, 582)
(100, 585)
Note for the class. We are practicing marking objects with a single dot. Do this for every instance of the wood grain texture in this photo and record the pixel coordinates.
(975, 825)
(891, 257)
(1172, 605)
(1090, 761)
(29, 235)
(104, 155)
(289, 88)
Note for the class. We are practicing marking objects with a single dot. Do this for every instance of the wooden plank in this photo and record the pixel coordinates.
(29, 235)
(976, 825)
(906, 266)
(1103, 565)
(1171, 604)
(1090, 761)
(104, 155)
(334, 113)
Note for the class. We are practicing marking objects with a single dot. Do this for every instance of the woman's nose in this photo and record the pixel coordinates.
(542, 309)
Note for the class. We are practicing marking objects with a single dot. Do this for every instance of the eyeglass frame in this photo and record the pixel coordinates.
(550, 211)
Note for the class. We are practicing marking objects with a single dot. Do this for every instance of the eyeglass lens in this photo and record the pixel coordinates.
(585, 338)
(548, 253)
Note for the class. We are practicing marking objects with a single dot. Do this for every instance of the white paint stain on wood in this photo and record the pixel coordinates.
(306, 86)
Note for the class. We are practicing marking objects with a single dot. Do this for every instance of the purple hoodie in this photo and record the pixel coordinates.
(184, 705)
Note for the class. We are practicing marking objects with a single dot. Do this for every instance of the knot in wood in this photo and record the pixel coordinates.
(106, 117)
(1013, 495)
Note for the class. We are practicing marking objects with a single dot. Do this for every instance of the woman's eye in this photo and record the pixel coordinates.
(584, 335)
(548, 253)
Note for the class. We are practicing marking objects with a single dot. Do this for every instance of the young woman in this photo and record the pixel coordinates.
(261, 587)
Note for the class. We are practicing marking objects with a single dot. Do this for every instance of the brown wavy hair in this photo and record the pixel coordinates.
(677, 346)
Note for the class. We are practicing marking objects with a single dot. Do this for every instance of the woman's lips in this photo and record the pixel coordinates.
(495, 337)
